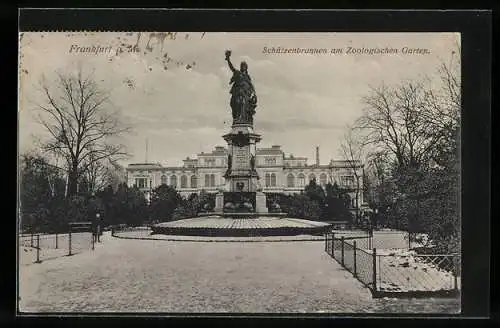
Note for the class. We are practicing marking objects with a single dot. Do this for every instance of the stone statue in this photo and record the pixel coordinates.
(252, 162)
(243, 97)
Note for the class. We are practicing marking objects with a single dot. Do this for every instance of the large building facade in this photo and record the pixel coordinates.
(278, 173)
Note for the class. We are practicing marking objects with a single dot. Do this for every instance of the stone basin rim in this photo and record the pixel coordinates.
(286, 227)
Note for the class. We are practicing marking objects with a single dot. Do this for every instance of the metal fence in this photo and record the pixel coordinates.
(407, 273)
(369, 239)
(395, 274)
(39, 247)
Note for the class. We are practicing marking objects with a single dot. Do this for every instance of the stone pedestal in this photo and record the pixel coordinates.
(260, 202)
(219, 202)
(241, 175)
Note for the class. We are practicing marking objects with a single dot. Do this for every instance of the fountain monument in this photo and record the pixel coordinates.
(242, 194)
(240, 206)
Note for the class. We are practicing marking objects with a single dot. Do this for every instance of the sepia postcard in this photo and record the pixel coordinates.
(239, 172)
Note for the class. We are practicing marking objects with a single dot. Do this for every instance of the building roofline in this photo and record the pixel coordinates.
(145, 164)
(176, 168)
(212, 153)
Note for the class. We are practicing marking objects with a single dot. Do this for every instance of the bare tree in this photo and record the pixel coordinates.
(395, 122)
(412, 120)
(352, 149)
(95, 175)
(445, 103)
(414, 125)
(79, 123)
(101, 174)
(447, 99)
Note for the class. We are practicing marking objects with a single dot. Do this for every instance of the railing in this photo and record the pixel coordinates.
(406, 273)
(38, 247)
(396, 274)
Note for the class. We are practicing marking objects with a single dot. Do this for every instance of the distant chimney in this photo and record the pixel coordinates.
(317, 155)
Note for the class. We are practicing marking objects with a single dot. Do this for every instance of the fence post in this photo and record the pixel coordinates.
(326, 241)
(374, 269)
(455, 273)
(32, 239)
(355, 266)
(37, 249)
(69, 241)
(342, 250)
(93, 239)
(333, 245)
(56, 241)
(370, 238)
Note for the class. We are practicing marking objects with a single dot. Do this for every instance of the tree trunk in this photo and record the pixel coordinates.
(357, 206)
(357, 199)
(73, 181)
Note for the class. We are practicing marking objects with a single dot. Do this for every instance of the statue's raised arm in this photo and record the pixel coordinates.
(228, 55)
(243, 97)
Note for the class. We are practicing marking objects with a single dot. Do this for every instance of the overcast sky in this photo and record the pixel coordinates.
(304, 100)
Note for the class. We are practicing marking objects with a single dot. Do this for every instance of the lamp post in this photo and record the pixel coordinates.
(149, 200)
(150, 191)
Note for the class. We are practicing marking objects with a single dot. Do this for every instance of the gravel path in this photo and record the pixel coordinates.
(162, 276)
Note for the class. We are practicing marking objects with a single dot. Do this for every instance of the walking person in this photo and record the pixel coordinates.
(94, 229)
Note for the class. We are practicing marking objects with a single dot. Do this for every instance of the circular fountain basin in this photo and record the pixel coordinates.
(240, 226)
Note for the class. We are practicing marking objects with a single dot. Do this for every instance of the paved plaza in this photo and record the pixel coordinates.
(126, 275)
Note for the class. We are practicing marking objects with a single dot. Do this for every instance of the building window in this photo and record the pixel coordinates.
(290, 181)
(270, 161)
(312, 177)
(184, 181)
(268, 180)
(322, 179)
(173, 181)
(207, 180)
(273, 180)
(210, 161)
(193, 181)
(347, 181)
(141, 182)
(212, 180)
(302, 180)
(164, 179)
